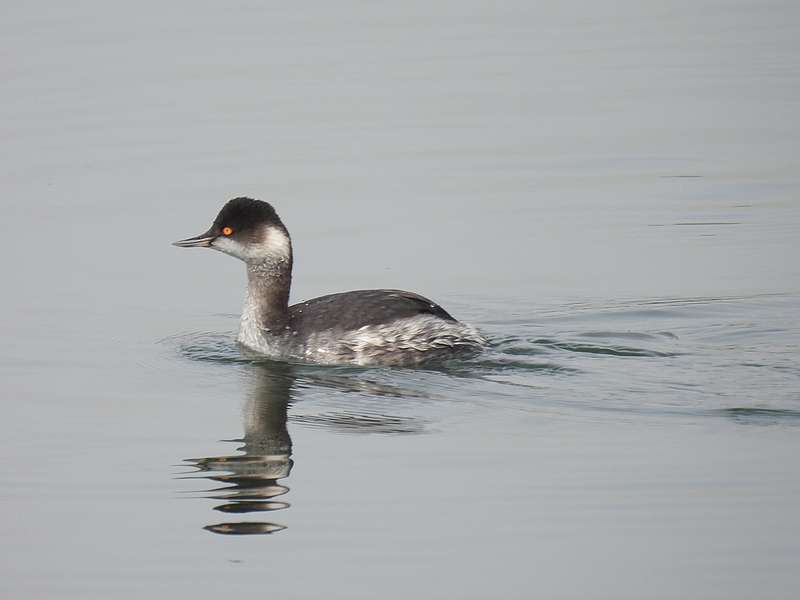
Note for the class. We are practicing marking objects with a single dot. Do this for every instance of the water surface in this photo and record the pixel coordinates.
(609, 192)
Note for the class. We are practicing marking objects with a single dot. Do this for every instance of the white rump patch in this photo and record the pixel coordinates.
(399, 342)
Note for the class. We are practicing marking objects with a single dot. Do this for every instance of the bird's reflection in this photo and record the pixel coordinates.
(251, 480)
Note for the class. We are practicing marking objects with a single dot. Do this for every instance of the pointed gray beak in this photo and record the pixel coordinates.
(200, 241)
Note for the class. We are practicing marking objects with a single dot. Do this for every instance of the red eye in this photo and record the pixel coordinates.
(227, 231)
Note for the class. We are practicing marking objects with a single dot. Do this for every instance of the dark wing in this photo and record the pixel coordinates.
(351, 310)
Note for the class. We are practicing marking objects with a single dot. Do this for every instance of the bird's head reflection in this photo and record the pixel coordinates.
(251, 479)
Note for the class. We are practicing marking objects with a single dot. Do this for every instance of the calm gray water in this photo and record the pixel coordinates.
(611, 191)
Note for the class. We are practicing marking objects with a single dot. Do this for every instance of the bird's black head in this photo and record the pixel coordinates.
(247, 229)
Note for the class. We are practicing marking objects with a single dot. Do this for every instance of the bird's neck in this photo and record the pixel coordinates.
(266, 306)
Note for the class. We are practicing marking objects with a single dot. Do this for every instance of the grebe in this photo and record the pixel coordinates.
(363, 327)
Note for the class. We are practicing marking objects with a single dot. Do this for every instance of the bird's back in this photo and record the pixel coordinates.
(347, 311)
(377, 327)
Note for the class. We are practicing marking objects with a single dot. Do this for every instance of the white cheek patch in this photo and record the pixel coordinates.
(274, 244)
(229, 246)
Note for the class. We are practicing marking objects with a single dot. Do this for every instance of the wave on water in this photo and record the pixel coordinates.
(696, 356)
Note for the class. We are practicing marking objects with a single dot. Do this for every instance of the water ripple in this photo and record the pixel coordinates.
(700, 357)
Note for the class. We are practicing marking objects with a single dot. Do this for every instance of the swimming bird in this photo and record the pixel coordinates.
(362, 327)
